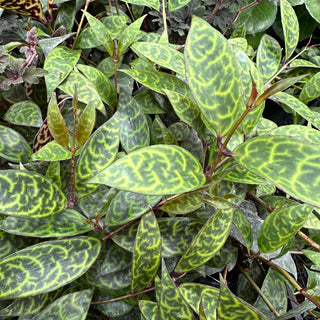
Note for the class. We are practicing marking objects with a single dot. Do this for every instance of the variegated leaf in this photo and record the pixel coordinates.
(311, 90)
(177, 4)
(184, 204)
(155, 4)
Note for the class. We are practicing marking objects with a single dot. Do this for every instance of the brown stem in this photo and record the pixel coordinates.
(314, 245)
(216, 8)
(81, 22)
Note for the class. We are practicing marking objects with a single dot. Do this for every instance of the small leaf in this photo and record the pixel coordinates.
(184, 204)
(290, 27)
(243, 225)
(149, 309)
(313, 256)
(29, 194)
(177, 4)
(56, 123)
(147, 253)
(154, 170)
(311, 90)
(155, 4)
(86, 124)
(22, 276)
(208, 241)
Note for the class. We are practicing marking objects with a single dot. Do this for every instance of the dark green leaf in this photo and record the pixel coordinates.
(313, 7)
(243, 225)
(184, 204)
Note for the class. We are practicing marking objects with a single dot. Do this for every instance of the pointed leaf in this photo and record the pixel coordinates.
(101, 33)
(184, 204)
(290, 27)
(243, 225)
(167, 136)
(271, 157)
(46, 266)
(281, 225)
(147, 253)
(26, 113)
(177, 4)
(42, 137)
(48, 44)
(59, 63)
(311, 90)
(56, 123)
(213, 75)
(149, 309)
(70, 306)
(13, 146)
(208, 241)
(29, 194)
(134, 128)
(313, 256)
(155, 4)
(86, 124)
(64, 224)
(162, 54)
(154, 170)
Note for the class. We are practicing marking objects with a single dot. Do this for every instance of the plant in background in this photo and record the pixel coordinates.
(162, 170)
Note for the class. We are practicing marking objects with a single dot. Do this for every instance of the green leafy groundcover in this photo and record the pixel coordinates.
(138, 176)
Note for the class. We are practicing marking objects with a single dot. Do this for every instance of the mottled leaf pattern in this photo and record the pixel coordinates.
(281, 225)
(29, 194)
(13, 146)
(86, 124)
(42, 137)
(290, 27)
(184, 204)
(213, 75)
(26, 113)
(177, 4)
(147, 252)
(126, 206)
(134, 129)
(46, 266)
(149, 309)
(59, 63)
(98, 152)
(64, 224)
(271, 158)
(155, 4)
(208, 241)
(268, 57)
(243, 225)
(311, 90)
(162, 54)
(154, 170)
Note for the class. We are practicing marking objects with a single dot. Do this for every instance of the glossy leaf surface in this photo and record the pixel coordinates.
(33, 271)
(208, 241)
(290, 27)
(154, 170)
(281, 225)
(147, 252)
(243, 225)
(271, 158)
(311, 89)
(184, 204)
(86, 124)
(63, 224)
(213, 75)
(29, 194)
(13, 146)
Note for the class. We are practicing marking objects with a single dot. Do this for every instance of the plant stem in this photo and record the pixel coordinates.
(81, 23)
(216, 8)
(314, 245)
(117, 7)
(115, 60)
(164, 17)
(110, 8)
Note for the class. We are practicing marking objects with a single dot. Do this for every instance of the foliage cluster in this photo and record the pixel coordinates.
(139, 178)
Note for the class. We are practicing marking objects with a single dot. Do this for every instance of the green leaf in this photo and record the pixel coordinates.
(290, 27)
(29, 194)
(167, 136)
(63, 224)
(208, 241)
(86, 90)
(172, 305)
(243, 226)
(98, 153)
(162, 54)
(159, 81)
(213, 76)
(86, 124)
(102, 84)
(46, 266)
(154, 170)
(25, 113)
(59, 63)
(155, 4)
(101, 33)
(230, 307)
(313, 256)
(268, 57)
(311, 90)
(49, 44)
(147, 252)
(134, 129)
(126, 206)
(313, 7)
(184, 204)
(128, 35)
(56, 123)
(271, 157)
(70, 306)
(187, 110)
(149, 309)
(281, 225)
(177, 4)
(13, 146)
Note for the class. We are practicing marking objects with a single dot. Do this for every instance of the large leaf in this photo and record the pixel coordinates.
(290, 27)
(29, 194)
(313, 6)
(286, 162)
(46, 266)
(147, 252)
(13, 146)
(70, 306)
(208, 241)
(154, 170)
(213, 76)
(281, 225)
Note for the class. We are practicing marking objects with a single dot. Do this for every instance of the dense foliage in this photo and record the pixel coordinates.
(143, 172)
